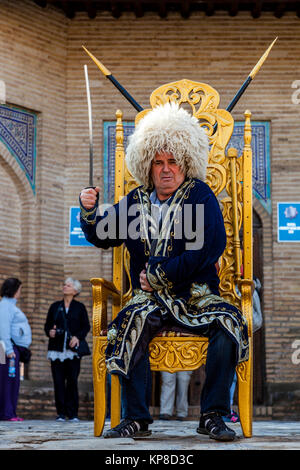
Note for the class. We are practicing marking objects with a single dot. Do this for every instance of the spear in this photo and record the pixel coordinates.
(250, 77)
(109, 75)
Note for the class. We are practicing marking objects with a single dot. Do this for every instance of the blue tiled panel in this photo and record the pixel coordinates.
(260, 147)
(18, 134)
(260, 144)
(109, 155)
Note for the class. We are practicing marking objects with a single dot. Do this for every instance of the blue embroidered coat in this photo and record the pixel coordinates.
(180, 251)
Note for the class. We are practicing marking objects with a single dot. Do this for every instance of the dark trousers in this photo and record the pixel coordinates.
(9, 389)
(220, 367)
(136, 391)
(65, 375)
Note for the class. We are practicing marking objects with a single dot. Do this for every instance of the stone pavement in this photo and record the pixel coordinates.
(166, 436)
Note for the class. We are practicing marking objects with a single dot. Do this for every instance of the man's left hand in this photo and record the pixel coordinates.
(144, 281)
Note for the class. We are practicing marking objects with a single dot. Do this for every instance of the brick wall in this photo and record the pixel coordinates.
(43, 71)
(36, 400)
(146, 52)
(10, 216)
(33, 58)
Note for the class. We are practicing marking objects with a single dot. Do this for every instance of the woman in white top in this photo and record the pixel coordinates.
(14, 331)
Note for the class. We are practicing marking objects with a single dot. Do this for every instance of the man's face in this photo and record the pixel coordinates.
(166, 174)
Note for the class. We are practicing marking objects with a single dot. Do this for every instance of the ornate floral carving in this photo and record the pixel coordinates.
(242, 371)
(130, 182)
(216, 177)
(177, 353)
(99, 309)
(200, 96)
(99, 358)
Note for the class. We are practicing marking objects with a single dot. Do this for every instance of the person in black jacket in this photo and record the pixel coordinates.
(67, 323)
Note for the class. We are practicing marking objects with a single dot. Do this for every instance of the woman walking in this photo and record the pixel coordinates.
(14, 331)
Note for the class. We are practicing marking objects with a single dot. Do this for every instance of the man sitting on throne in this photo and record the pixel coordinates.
(174, 231)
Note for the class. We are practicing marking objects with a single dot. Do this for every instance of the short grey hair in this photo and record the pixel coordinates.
(76, 284)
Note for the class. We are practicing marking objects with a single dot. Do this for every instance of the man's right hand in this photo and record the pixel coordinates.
(11, 355)
(88, 197)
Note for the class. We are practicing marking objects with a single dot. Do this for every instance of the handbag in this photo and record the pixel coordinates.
(25, 353)
(82, 349)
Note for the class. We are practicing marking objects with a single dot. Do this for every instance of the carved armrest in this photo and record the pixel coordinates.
(102, 290)
(246, 289)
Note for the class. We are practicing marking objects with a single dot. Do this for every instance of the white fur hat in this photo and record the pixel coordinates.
(171, 129)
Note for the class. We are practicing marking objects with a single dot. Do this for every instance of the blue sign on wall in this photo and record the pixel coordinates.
(288, 216)
(76, 235)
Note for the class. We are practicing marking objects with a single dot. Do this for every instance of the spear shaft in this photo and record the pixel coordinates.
(234, 101)
(125, 93)
(109, 75)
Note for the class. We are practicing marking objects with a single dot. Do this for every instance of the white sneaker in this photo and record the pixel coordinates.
(60, 418)
(74, 420)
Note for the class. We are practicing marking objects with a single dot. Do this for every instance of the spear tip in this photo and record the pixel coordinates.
(261, 60)
(102, 67)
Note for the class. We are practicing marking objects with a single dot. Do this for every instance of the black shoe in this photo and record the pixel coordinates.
(128, 428)
(213, 425)
(165, 417)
